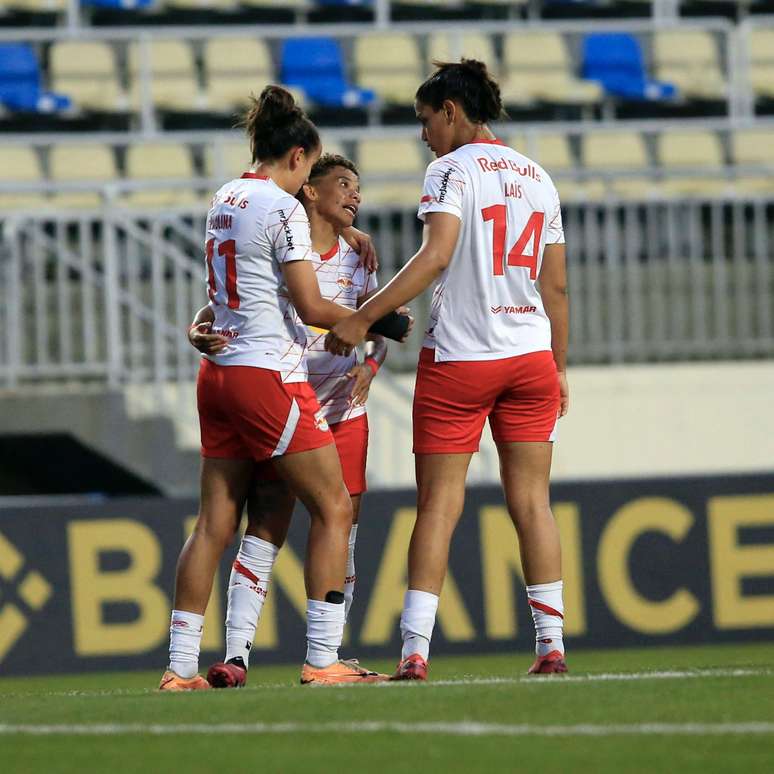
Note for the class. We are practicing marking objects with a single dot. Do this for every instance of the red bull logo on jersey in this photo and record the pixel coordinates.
(344, 282)
(497, 165)
(504, 309)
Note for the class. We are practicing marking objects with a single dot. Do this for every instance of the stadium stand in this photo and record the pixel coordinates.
(753, 149)
(234, 67)
(689, 59)
(693, 150)
(86, 71)
(762, 62)
(390, 65)
(88, 163)
(537, 67)
(21, 82)
(448, 47)
(160, 161)
(20, 165)
(616, 61)
(316, 66)
(384, 158)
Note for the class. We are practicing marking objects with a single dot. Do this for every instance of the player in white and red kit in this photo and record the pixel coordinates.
(255, 403)
(495, 347)
(331, 199)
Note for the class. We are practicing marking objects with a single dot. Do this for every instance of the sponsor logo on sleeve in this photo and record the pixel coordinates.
(288, 232)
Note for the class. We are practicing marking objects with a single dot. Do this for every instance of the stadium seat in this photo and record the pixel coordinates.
(471, 45)
(20, 81)
(174, 84)
(762, 62)
(204, 5)
(40, 6)
(537, 67)
(390, 65)
(121, 5)
(86, 72)
(753, 149)
(153, 161)
(607, 152)
(82, 163)
(19, 164)
(615, 60)
(690, 61)
(316, 65)
(385, 157)
(236, 68)
(699, 150)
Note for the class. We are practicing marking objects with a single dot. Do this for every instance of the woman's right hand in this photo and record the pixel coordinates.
(202, 338)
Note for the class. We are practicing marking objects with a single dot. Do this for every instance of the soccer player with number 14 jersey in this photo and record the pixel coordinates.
(495, 348)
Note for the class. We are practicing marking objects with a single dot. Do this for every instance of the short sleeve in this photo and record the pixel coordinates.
(554, 229)
(287, 228)
(371, 283)
(443, 189)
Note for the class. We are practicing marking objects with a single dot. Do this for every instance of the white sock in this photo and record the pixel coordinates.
(417, 621)
(324, 630)
(185, 637)
(349, 581)
(545, 601)
(247, 589)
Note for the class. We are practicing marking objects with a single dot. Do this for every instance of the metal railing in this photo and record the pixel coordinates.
(106, 295)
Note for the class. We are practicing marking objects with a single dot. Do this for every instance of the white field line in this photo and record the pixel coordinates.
(554, 680)
(448, 729)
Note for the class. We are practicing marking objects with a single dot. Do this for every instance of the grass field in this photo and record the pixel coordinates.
(689, 709)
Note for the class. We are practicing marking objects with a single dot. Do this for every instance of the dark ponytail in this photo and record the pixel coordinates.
(275, 124)
(467, 82)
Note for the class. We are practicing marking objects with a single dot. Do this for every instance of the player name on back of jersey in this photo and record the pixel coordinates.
(219, 222)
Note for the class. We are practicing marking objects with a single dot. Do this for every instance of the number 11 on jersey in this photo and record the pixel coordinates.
(497, 213)
(227, 250)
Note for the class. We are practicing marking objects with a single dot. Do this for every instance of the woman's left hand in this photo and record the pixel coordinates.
(363, 375)
(363, 245)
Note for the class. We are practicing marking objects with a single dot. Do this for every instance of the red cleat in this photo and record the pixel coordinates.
(550, 664)
(413, 667)
(228, 674)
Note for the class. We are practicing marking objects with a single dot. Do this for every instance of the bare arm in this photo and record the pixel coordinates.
(553, 290)
(200, 333)
(439, 239)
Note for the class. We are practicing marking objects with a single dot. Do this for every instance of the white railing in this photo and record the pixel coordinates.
(106, 295)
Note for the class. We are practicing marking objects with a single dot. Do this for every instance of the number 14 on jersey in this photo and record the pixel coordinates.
(497, 213)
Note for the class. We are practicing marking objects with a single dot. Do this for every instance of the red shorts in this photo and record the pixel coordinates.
(351, 437)
(249, 413)
(520, 395)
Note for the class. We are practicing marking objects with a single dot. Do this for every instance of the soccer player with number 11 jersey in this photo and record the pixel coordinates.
(495, 348)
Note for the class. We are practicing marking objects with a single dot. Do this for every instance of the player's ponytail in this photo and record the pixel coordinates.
(275, 124)
(467, 82)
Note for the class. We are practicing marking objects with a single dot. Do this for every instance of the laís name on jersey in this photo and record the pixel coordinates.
(513, 190)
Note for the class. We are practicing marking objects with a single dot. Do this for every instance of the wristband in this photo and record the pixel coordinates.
(392, 325)
(372, 364)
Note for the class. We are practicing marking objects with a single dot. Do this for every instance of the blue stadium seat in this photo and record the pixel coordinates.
(615, 60)
(20, 82)
(316, 65)
(122, 5)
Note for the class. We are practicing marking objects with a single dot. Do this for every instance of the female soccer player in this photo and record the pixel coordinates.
(495, 347)
(254, 400)
(331, 199)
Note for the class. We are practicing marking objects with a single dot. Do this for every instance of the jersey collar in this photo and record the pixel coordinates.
(496, 141)
(253, 176)
(327, 256)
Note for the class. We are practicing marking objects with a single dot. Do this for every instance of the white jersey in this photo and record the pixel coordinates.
(253, 227)
(486, 305)
(343, 279)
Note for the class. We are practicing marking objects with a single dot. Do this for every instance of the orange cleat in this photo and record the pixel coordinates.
(550, 664)
(413, 667)
(339, 672)
(173, 682)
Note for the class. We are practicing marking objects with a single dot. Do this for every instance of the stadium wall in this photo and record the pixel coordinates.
(86, 585)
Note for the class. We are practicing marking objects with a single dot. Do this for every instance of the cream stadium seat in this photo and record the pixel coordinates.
(700, 150)
(451, 47)
(389, 64)
(39, 6)
(81, 163)
(385, 157)
(298, 5)
(20, 164)
(754, 149)
(537, 66)
(204, 5)
(174, 84)
(618, 152)
(690, 61)
(236, 68)
(762, 62)
(153, 161)
(86, 72)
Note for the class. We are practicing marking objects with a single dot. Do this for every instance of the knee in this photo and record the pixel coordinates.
(217, 537)
(529, 512)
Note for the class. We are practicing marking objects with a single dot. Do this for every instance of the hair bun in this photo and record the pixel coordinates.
(276, 105)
